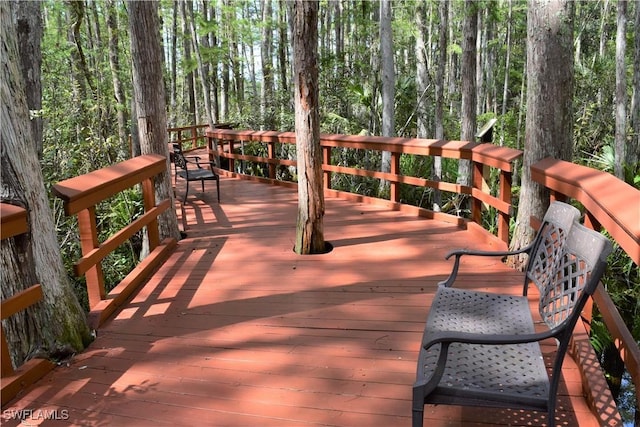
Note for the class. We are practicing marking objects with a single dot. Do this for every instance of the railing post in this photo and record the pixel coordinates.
(232, 166)
(505, 196)
(394, 188)
(479, 183)
(88, 242)
(149, 201)
(326, 160)
(271, 153)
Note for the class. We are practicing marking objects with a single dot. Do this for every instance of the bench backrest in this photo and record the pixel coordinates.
(565, 263)
(547, 246)
(575, 275)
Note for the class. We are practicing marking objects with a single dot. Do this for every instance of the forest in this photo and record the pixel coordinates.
(230, 61)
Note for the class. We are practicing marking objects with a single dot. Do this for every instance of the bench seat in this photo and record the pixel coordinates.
(515, 370)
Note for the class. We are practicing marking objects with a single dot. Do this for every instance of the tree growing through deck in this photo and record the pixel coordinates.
(309, 226)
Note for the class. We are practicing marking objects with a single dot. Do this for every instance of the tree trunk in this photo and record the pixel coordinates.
(266, 94)
(621, 92)
(549, 121)
(57, 326)
(114, 63)
(388, 86)
(204, 78)
(149, 94)
(309, 227)
(443, 12)
(189, 77)
(173, 86)
(634, 144)
(28, 16)
(468, 126)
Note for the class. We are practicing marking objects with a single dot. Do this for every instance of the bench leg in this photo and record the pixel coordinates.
(218, 189)
(186, 193)
(417, 419)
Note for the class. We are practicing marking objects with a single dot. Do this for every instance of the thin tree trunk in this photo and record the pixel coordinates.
(57, 326)
(204, 78)
(266, 94)
(443, 12)
(507, 65)
(149, 94)
(634, 143)
(309, 227)
(189, 77)
(549, 125)
(114, 64)
(388, 85)
(173, 84)
(621, 91)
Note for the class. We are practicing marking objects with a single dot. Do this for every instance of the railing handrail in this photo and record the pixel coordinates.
(482, 155)
(81, 194)
(613, 205)
(610, 202)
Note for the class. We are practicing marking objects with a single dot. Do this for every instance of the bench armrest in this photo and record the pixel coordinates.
(460, 252)
(199, 162)
(448, 337)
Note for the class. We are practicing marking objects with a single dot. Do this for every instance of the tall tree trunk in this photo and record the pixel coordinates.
(148, 85)
(309, 227)
(549, 125)
(422, 75)
(266, 94)
(29, 26)
(57, 326)
(388, 85)
(204, 78)
(443, 13)
(173, 84)
(114, 63)
(634, 144)
(621, 91)
(469, 94)
(189, 77)
(507, 65)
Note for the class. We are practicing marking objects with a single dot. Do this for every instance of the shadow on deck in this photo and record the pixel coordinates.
(235, 329)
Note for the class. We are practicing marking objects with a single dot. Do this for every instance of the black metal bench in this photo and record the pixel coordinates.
(199, 171)
(482, 349)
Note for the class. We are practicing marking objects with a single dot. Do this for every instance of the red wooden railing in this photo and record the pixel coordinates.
(81, 195)
(611, 204)
(14, 223)
(224, 143)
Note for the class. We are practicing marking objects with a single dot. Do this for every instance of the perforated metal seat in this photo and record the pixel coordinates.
(481, 349)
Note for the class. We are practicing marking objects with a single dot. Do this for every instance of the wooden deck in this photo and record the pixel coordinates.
(237, 330)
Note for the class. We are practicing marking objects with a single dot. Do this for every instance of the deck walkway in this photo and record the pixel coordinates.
(237, 330)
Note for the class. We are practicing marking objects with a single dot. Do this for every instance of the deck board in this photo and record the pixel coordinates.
(235, 329)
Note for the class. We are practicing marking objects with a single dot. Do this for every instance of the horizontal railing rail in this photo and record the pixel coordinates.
(225, 143)
(13, 222)
(82, 194)
(192, 137)
(611, 204)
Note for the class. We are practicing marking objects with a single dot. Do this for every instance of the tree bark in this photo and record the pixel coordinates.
(469, 95)
(309, 227)
(443, 13)
(57, 326)
(28, 16)
(266, 94)
(204, 78)
(549, 121)
(388, 85)
(621, 92)
(114, 64)
(149, 95)
(634, 144)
